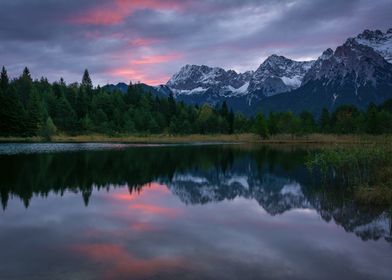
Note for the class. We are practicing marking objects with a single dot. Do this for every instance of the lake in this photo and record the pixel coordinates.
(222, 211)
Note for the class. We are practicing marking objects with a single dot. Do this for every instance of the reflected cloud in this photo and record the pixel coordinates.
(118, 262)
(149, 202)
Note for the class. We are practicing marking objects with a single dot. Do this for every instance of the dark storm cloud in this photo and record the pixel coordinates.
(149, 40)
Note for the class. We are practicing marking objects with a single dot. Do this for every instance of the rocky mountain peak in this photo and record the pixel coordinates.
(370, 35)
(327, 54)
(352, 60)
(197, 79)
(278, 74)
(377, 40)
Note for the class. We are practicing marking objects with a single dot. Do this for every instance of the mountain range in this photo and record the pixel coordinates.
(358, 72)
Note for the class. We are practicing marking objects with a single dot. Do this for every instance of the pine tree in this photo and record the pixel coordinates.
(87, 84)
(4, 81)
(261, 127)
(324, 120)
(81, 103)
(26, 74)
(35, 114)
(372, 124)
(224, 111)
(230, 120)
(49, 129)
(172, 106)
(307, 122)
(24, 86)
(12, 114)
(63, 114)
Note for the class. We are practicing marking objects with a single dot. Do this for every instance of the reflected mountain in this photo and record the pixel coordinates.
(275, 194)
(276, 179)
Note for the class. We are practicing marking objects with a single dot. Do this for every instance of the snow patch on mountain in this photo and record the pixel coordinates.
(198, 90)
(378, 41)
(242, 90)
(293, 82)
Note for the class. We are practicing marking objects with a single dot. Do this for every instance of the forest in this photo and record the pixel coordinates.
(40, 108)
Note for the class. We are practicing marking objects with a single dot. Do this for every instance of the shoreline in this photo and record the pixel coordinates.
(209, 138)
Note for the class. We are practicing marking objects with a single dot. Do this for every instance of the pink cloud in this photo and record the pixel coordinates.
(141, 69)
(155, 59)
(143, 42)
(128, 74)
(116, 11)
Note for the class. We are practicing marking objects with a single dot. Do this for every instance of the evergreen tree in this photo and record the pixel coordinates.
(261, 127)
(131, 97)
(49, 129)
(24, 86)
(35, 114)
(86, 81)
(87, 124)
(172, 107)
(273, 123)
(81, 106)
(324, 120)
(224, 111)
(63, 114)
(308, 125)
(26, 74)
(12, 114)
(230, 120)
(372, 124)
(4, 81)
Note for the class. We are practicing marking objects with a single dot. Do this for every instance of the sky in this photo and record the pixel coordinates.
(150, 40)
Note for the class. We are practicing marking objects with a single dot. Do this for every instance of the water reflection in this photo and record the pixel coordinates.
(202, 211)
(276, 179)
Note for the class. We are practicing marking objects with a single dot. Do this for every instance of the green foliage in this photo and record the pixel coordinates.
(35, 114)
(260, 126)
(49, 129)
(308, 124)
(80, 108)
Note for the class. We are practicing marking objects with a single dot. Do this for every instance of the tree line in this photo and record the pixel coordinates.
(36, 107)
(345, 119)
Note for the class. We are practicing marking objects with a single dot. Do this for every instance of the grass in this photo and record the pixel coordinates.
(141, 138)
(241, 138)
(365, 169)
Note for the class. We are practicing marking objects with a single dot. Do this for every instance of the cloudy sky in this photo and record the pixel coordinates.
(149, 40)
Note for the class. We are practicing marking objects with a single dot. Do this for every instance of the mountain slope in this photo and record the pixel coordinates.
(354, 74)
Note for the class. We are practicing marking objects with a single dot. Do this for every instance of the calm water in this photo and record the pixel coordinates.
(102, 211)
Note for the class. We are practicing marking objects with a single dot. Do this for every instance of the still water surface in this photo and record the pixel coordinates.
(115, 211)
